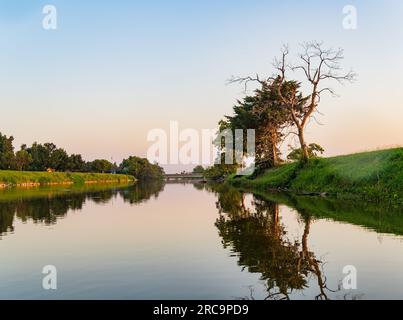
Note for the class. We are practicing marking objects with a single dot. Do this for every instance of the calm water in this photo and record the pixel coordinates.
(185, 241)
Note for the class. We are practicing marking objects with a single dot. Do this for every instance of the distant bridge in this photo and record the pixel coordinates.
(184, 176)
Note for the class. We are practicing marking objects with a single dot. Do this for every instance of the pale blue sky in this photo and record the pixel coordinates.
(113, 70)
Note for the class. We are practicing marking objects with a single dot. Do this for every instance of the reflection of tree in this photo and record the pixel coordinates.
(47, 208)
(198, 185)
(143, 191)
(309, 257)
(6, 217)
(312, 264)
(260, 240)
(231, 201)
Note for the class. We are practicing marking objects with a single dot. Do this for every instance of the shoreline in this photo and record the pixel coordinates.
(371, 176)
(30, 179)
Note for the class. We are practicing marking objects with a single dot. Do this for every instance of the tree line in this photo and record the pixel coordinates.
(48, 157)
(279, 106)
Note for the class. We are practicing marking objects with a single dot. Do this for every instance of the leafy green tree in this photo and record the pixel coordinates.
(141, 168)
(40, 156)
(46, 156)
(313, 151)
(100, 166)
(243, 119)
(264, 113)
(198, 169)
(22, 159)
(75, 163)
(6, 152)
(58, 160)
(219, 171)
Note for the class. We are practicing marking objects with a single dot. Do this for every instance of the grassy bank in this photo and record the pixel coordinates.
(376, 175)
(27, 179)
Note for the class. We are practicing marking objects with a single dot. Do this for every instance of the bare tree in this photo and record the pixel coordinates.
(317, 65)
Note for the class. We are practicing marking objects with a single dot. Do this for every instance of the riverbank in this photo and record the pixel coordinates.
(28, 179)
(374, 176)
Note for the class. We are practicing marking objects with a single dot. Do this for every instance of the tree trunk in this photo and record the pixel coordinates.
(274, 148)
(275, 155)
(304, 147)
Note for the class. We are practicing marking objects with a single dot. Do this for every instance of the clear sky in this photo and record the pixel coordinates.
(113, 70)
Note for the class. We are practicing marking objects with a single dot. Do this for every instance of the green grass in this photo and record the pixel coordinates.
(25, 178)
(376, 175)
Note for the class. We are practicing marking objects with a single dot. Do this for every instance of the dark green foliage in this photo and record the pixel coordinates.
(264, 113)
(6, 152)
(100, 166)
(22, 159)
(141, 169)
(58, 160)
(198, 169)
(219, 171)
(40, 156)
(48, 157)
(313, 151)
(75, 163)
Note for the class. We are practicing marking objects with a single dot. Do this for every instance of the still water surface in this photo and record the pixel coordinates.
(189, 241)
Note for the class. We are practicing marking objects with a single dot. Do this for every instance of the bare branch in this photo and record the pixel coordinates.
(246, 80)
(322, 63)
(280, 64)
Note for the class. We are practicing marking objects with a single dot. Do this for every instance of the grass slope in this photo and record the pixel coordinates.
(26, 178)
(376, 175)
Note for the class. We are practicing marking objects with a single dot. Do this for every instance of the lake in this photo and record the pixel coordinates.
(196, 241)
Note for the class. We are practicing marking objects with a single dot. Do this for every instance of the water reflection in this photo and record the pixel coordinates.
(125, 246)
(47, 205)
(261, 242)
(259, 239)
